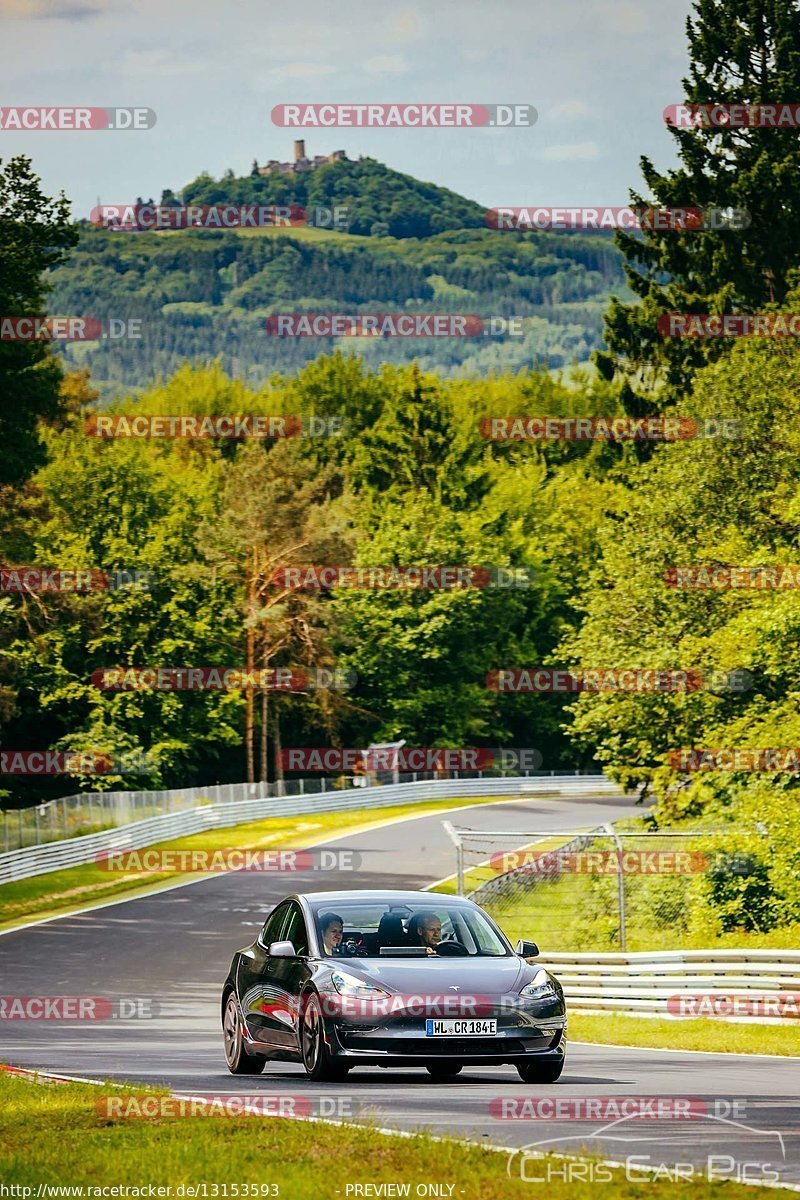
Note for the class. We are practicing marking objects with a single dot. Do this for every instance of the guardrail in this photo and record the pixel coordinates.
(760, 985)
(71, 852)
(90, 812)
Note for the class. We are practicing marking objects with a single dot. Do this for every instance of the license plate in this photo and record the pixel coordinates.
(466, 1027)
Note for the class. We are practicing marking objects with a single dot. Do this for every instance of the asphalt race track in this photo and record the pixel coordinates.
(174, 948)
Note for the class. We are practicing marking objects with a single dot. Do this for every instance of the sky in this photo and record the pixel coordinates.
(598, 72)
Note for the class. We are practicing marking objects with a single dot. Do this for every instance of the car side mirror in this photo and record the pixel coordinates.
(527, 949)
(282, 950)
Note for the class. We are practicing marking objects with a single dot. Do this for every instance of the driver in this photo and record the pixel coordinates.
(331, 927)
(425, 929)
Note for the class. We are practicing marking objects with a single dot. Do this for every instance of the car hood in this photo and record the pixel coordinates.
(489, 976)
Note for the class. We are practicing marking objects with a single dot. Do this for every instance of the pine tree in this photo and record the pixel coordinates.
(36, 235)
(741, 52)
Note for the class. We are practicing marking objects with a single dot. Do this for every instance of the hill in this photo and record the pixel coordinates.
(379, 200)
(411, 246)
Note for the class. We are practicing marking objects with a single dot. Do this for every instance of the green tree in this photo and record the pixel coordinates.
(741, 52)
(35, 235)
(276, 512)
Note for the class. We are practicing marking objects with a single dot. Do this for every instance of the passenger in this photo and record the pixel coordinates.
(425, 929)
(331, 927)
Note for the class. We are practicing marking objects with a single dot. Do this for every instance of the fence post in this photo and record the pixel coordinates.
(36, 825)
(19, 814)
(455, 838)
(623, 936)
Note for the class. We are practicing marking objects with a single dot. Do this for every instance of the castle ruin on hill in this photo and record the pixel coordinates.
(300, 163)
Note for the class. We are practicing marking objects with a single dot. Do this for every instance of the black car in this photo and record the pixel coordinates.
(337, 980)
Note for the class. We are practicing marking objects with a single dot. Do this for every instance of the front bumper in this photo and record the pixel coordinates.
(529, 1032)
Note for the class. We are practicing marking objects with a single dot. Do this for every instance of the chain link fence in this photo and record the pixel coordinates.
(92, 812)
(603, 888)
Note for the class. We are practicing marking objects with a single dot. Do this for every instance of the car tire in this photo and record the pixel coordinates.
(444, 1070)
(239, 1059)
(547, 1071)
(320, 1066)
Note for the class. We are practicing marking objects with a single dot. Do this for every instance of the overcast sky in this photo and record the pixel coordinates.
(599, 72)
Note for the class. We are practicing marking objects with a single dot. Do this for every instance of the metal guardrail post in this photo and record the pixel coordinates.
(623, 937)
(455, 838)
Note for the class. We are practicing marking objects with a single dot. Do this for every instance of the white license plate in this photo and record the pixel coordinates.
(466, 1027)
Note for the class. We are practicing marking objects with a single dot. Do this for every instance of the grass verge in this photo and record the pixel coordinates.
(721, 1037)
(61, 892)
(53, 1135)
(580, 912)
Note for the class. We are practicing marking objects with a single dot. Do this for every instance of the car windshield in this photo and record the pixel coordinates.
(383, 929)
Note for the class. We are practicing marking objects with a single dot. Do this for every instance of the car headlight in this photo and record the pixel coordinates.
(540, 986)
(350, 985)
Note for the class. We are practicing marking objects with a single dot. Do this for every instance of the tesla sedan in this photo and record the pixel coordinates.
(337, 980)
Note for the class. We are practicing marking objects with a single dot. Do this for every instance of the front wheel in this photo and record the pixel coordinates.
(317, 1059)
(444, 1070)
(239, 1059)
(547, 1071)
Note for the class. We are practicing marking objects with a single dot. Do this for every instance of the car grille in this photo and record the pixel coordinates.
(442, 1046)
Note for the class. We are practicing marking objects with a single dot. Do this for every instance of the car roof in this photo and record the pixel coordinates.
(361, 895)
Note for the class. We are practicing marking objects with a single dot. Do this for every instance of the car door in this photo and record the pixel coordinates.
(262, 1008)
(287, 976)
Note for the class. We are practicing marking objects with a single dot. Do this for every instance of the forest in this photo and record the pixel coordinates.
(599, 529)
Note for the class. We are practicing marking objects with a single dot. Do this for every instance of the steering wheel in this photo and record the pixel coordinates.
(352, 948)
(451, 949)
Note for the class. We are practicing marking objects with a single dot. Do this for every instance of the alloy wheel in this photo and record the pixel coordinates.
(231, 1032)
(312, 1035)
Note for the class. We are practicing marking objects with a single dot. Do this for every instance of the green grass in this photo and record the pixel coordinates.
(305, 233)
(723, 1037)
(77, 887)
(53, 1134)
(580, 912)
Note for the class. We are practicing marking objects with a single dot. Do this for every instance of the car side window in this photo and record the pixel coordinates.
(273, 924)
(295, 931)
(482, 936)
